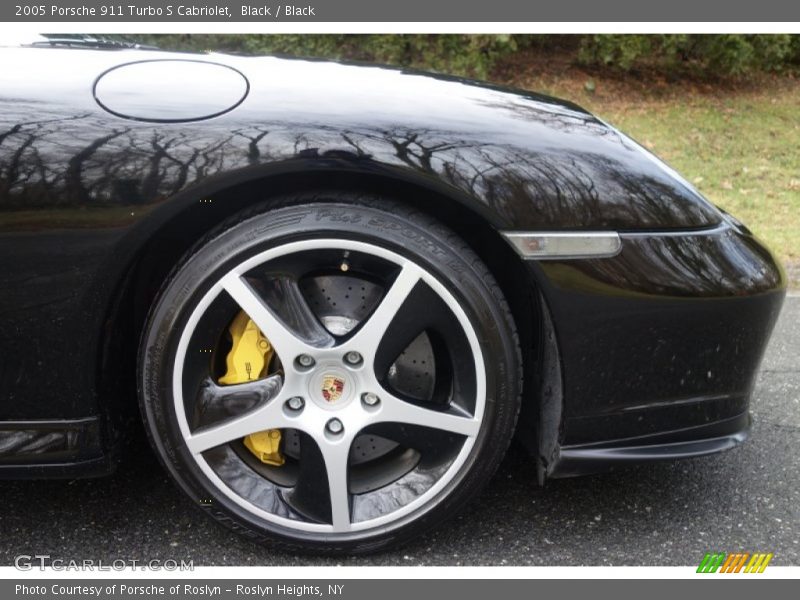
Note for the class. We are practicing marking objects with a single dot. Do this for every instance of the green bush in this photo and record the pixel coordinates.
(619, 51)
(709, 55)
(469, 55)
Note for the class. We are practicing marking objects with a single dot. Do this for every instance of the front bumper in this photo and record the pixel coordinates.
(658, 347)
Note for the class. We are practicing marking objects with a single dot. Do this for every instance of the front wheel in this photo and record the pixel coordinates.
(339, 375)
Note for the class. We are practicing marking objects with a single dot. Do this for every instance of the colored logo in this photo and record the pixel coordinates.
(739, 562)
(332, 388)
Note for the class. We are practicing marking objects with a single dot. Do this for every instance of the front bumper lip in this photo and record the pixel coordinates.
(686, 443)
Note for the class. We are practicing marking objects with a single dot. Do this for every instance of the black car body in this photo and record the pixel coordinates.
(643, 310)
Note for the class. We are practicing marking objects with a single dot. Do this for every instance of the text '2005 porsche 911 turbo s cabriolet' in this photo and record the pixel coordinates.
(339, 291)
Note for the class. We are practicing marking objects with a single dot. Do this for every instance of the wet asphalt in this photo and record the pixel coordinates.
(660, 514)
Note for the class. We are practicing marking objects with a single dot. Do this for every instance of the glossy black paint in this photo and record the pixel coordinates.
(52, 448)
(89, 201)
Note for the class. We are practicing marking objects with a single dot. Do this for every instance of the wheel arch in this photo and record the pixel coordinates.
(174, 227)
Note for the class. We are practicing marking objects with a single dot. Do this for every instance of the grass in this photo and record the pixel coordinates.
(739, 144)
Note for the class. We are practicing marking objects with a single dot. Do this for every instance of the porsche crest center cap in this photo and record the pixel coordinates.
(332, 387)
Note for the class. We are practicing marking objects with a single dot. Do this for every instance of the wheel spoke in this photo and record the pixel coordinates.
(336, 456)
(450, 420)
(416, 437)
(310, 496)
(268, 414)
(371, 333)
(283, 293)
(285, 342)
(216, 402)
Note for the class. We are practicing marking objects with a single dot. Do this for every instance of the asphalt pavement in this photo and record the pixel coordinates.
(660, 514)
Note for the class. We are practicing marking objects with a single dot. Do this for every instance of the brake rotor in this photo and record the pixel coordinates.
(341, 302)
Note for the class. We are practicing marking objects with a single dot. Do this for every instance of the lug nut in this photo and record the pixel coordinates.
(370, 399)
(334, 426)
(304, 360)
(295, 403)
(352, 358)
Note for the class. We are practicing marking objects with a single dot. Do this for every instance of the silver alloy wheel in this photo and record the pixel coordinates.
(349, 410)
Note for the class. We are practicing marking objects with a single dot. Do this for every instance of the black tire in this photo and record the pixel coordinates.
(333, 215)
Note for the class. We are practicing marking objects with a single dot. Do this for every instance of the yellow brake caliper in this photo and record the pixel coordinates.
(248, 360)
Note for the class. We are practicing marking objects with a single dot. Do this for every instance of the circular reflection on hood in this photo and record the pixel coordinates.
(170, 91)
